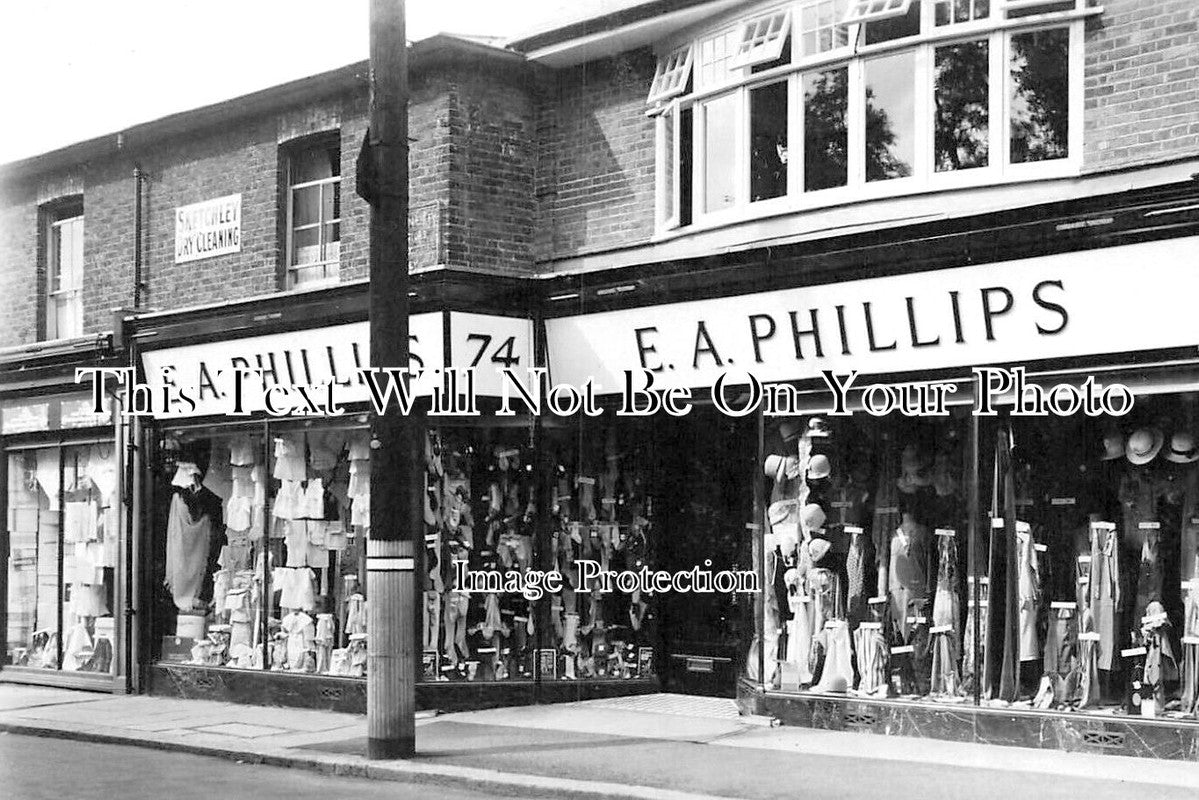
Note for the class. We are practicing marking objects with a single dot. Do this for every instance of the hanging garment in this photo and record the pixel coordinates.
(906, 579)
(454, 641)
(855, 571)
(945, 641)
(190, 533)
(1088, 648)
(1063, 666)
(1029, 592)
(796, 671)
(1149, 573)
(1161, 665)
(824, 587)
(870, 644)
(975, 633)
(289, 459)
(1190, 676)
(1104, 586)
(297, 589)
(837, 674)
(886, 517)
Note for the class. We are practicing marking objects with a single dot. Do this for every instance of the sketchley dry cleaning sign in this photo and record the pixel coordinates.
(210, 228)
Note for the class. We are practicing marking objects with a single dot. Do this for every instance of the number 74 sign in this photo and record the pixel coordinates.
(489, 344)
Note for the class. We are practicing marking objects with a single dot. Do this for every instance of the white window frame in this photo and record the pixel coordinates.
(761, 47)
(991, 12)
(862, 11)
(995, 29)
(670, 78)
(800, 31)
(330, 265)
(63, 301)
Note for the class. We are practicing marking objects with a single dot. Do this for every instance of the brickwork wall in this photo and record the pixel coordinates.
(492, 152)
(19, 269)
(595, 171)
(1141, 83)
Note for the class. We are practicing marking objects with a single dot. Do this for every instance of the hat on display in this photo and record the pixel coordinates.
(780, 511)
(1143, 445)
(1182, 449)
(818, 549)
(1113, 446)
(787, 537)
(819, 467)
(781, 467)
(789, 430)
(773, 466)
(791, 577)
(812, 517)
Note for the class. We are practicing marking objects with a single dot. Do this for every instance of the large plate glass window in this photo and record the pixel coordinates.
(890, 116)
(64, 538)
(1039, 95)
(962, 115)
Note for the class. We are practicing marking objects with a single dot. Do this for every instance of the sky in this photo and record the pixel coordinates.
(75, 69)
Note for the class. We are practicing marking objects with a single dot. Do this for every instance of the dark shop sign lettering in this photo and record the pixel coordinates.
(200, 380)
(1015, 311)
(210, 228)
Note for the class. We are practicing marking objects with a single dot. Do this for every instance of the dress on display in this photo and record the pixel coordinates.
(193, 521)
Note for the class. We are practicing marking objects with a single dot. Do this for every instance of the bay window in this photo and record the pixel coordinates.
(815, 102)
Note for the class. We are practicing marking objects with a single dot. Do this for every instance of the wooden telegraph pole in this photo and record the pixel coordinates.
(397, 454)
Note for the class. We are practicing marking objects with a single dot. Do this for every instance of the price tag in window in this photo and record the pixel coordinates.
(950, 532)
(1062, 501)
(941, 629)
(1133, 652)
(903, 648)
(1149, 526)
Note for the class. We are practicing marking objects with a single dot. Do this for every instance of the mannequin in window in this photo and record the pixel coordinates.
(194, 526)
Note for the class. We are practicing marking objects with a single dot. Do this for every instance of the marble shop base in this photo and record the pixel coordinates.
(1118, 735)
(349, 694)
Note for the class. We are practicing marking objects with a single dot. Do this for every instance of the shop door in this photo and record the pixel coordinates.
(705, 482)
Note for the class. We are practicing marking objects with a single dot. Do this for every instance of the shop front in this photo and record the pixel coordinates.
(973, 509)
(65, 586)
(257, 520)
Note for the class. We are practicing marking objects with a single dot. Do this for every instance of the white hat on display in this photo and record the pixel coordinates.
(1143, 445)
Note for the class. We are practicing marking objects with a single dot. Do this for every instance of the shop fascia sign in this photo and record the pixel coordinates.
(35, 415)
(1111, 300)
(326, 363)
(206, 229)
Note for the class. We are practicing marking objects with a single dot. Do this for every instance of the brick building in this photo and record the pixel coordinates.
(905, 190)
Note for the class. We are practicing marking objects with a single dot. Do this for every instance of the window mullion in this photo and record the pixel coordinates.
(996, 109)
(1074, 97)
(924, 106)
(856, 111)
(676, 186)
(660, 145)
(795, 135)
(741, 148)
(699, 128)
(1005, 107)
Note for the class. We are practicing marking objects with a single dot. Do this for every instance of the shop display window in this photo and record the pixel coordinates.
(261, 544)
(64, 540)
(1069, 587)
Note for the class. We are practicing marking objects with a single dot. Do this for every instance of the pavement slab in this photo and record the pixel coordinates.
(662, 746)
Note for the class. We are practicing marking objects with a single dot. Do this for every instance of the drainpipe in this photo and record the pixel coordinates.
(133, 435)
(137, 237)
